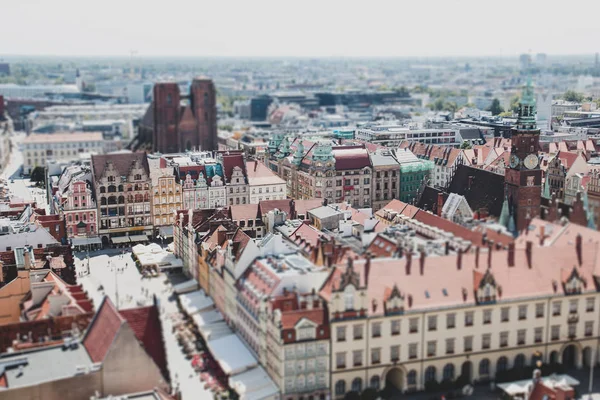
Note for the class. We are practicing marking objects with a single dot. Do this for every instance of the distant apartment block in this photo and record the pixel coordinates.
(393, 135)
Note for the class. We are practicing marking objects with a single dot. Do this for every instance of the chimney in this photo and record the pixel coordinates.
(255, 165)
(410, 300)
(464, 294)
(554, 285)
(511, 254)
(408, 262)
(440, 203)
(490, 249)
(367, 267)
(422, 262)
(459, 260)
(542, 235)
(447, 248)
(578, 248)
(528, 247)
(374, 305)
(477, 257)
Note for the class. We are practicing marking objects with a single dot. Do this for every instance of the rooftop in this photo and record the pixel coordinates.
(64, 137)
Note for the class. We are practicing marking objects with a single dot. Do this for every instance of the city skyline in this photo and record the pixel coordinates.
(261, 29)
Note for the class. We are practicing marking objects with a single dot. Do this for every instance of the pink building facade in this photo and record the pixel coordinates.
(80, 212)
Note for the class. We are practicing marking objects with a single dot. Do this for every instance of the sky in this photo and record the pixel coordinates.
(306, 28)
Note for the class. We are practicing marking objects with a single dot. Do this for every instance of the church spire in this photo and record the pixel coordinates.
(504, 214)
(546, 192)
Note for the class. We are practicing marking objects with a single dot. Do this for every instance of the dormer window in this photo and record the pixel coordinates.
(349, 298)
(574, 283)
(487, 290)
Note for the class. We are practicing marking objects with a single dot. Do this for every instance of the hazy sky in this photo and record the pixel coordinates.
(298, 28)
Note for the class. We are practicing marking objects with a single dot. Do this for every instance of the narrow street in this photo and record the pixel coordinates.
(110, 267)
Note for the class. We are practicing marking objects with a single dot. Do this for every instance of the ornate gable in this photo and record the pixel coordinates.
(573, 282)
(394, 303)
(486, 288)
(350, 277)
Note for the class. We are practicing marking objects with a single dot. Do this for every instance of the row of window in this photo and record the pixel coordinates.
(450, 344)
(469, 317)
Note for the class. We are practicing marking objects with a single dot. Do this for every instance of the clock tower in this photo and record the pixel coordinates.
(523, 178)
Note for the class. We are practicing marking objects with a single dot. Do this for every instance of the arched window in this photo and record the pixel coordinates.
(340, 388)
(411, 378)
(449, 372)
(502, 364)
(146, 197)
(430, 374)
(121, 199)
(375, 382)
(112, 200)
(519, 361)
(102, 189)
(120, 188)
(112, 189)
(357, 385)
(484, 367)
(102, 201)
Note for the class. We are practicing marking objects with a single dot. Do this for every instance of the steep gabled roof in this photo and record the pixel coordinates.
(230, 162)
(122, 163)
(102, 331)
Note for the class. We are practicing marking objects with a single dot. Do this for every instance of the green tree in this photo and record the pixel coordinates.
(506, 114)
(352, 396)
(571, 95)
(495, 107)
(38, 175)
(450, 106)
(514, 104)
(466, 145)
(369, 394)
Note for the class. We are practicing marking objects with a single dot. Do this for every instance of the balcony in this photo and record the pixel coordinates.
(573, 318)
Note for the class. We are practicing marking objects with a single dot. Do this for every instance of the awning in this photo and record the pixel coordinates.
(166, 231)
(215, 331)
(186, 287)
(85, 241)
(120, 239)
(254, 384)
(195, 302)
(522, 386)
(138, 238)
(205, 318)
(231, 354)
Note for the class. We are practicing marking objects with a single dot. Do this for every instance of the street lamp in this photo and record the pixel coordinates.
(116, 283)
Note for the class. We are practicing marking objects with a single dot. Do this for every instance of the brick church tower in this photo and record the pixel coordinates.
(178, 127)
(523, 178)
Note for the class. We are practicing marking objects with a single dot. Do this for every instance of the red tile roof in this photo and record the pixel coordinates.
(244, 212)
(230, 162)
(146, 325)
(102, 331)
(122, 163)
(289, 319)
(355, 157)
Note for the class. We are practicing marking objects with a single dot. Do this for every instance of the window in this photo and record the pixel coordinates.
(449, 346)
(376, 329)
(431, 345)
(411, 378)
(521, 336)
(589, 304)
(555, 332)
(449, 372)
(413, 325)
(573, 306)
(484, 367)
(340, 360)
(487, 316)
(412, 351)
(357, 358)
(468, 343)
(394, 353)
(556, 308)
(357, 385)
(503, 339)
(432, 323)
(589, 328)
(537, 334)
(486, 340)
(572, 330)
(504, 314)
(358, 332)
(375, 383)
(341, 333)
(539, 310)
(340, 388)
(430, 374)
(450, 320)
(375, 356)
(349, 300)
(469, 318)
(395, 327)
(522, 312)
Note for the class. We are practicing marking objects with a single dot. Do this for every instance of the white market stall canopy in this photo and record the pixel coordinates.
(86, 241)
(194, 302)
(186, 287)
(231, 354)
(254, 384)
(520, 387)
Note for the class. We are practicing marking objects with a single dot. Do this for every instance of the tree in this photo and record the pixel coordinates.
(514, 104)
(466, 145)
(506, 114)
(571, 95)
(352, 396)
(495, 107)
(369, 394)
(38, 175)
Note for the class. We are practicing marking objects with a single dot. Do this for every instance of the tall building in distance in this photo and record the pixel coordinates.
(176, 122)
(523, 178)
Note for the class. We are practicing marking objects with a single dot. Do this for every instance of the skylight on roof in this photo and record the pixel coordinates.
(427, 293)
(445, 292)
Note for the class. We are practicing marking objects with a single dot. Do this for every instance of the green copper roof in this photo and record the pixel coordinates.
(504, 214)
(299, 154)
(526, 119)
(546, 193)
